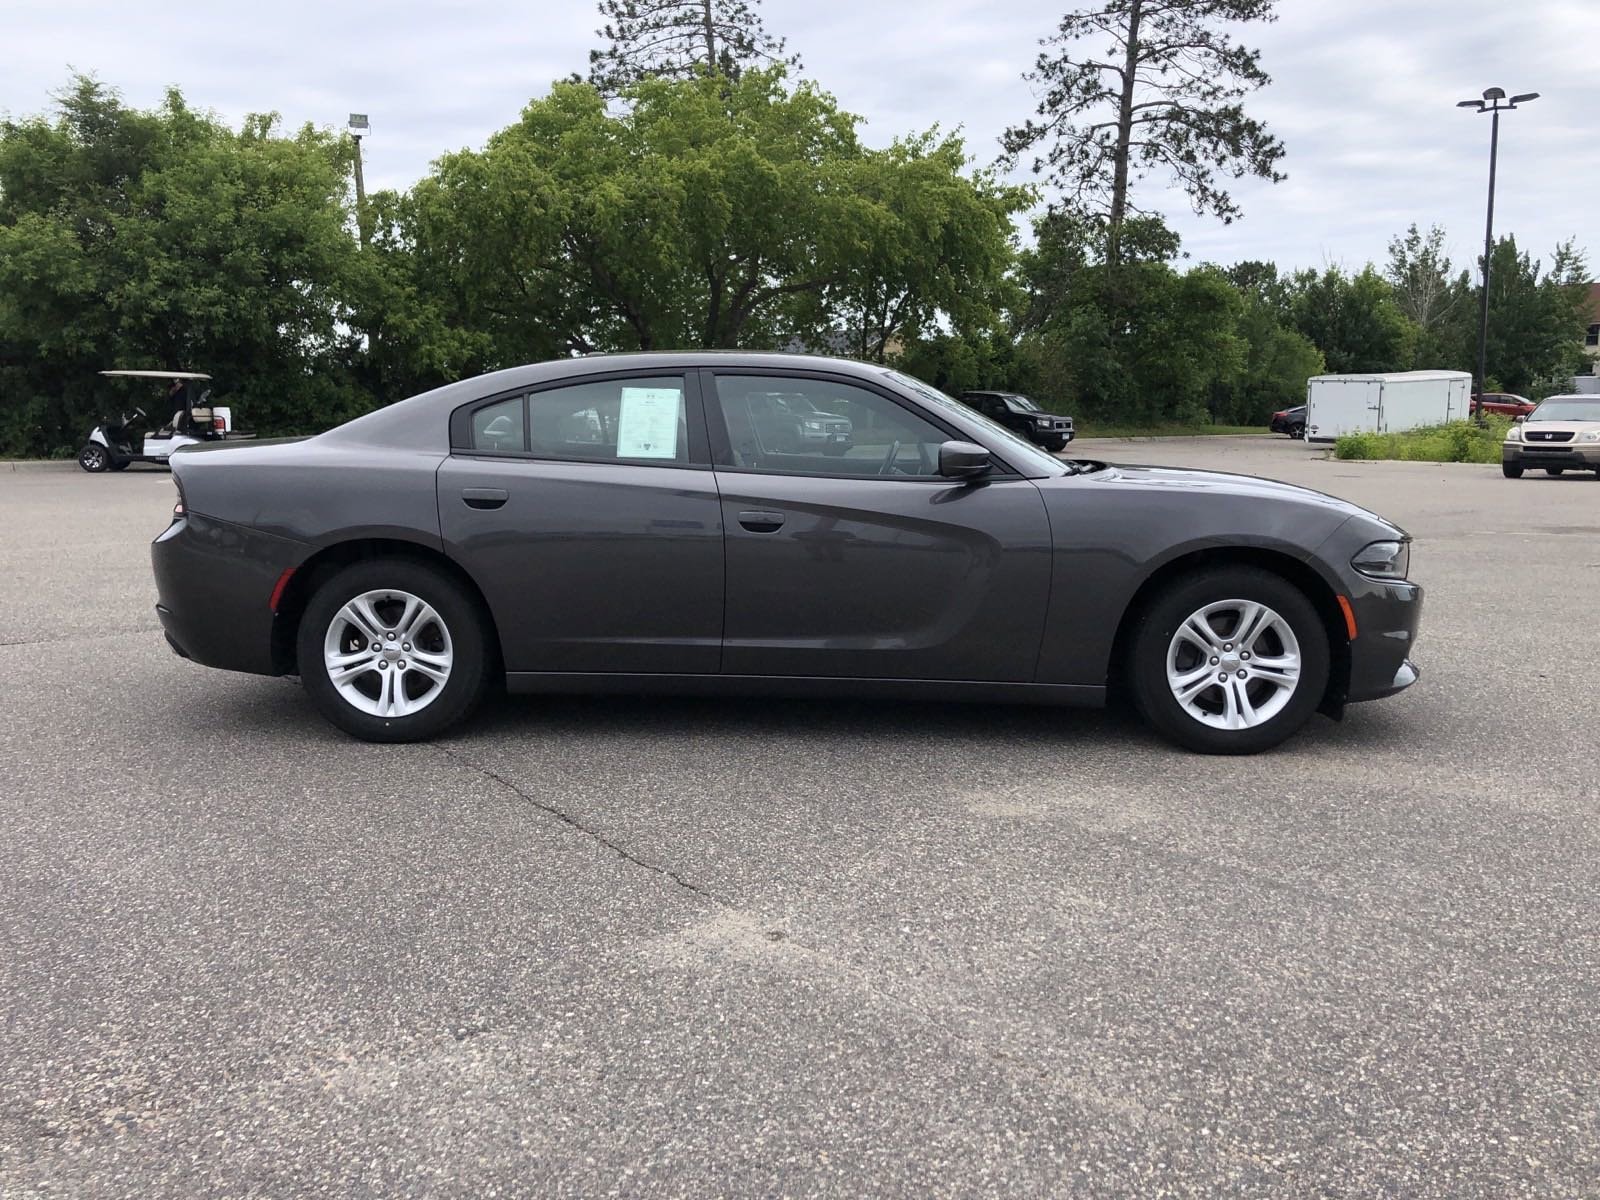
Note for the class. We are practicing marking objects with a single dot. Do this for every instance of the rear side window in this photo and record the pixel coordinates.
(621, 419)
(498, 427)
(639, 420)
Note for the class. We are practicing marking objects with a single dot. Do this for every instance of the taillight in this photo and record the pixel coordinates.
(219, 425)
(178, 508)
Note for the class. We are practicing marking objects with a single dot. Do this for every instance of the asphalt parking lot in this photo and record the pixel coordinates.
(627, 947)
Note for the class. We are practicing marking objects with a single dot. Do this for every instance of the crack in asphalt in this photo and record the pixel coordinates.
(83, 637)
(594, 835)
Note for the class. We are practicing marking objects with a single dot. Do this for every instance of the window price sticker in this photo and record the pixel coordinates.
(648, 424)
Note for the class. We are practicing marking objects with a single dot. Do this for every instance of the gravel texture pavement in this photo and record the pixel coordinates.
(661, 948)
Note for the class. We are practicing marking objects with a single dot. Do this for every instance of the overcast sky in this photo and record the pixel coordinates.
(1363, 93)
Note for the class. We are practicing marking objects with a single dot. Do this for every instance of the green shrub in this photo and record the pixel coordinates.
(1459, 441)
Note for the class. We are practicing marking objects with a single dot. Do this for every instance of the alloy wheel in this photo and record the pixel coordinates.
(388, 653)
(1234, 664)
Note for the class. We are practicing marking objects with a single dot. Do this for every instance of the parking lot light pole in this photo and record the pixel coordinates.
(359, 127)
(1491, 103)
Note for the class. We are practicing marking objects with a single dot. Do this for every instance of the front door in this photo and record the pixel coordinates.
(868, 562)
(588, 515)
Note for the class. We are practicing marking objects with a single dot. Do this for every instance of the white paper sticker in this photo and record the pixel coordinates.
(648, 424)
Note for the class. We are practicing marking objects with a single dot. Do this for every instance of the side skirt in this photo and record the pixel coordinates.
(802, 687)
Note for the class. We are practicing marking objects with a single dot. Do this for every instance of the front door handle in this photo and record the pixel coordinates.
(761, 521)
(484, 497)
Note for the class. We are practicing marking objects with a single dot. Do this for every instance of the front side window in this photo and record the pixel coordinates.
(1021, 404)
(820, 427)
(1016, 448)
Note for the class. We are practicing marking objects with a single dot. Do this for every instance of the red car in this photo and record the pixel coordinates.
(1504, 403)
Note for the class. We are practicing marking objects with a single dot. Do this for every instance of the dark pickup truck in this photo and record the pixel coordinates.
(1021, 415)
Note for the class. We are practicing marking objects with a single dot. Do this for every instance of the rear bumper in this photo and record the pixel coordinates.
(214, 583)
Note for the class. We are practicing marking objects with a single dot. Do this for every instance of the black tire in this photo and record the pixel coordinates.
(473, 660)
(94, 458)
(120, 464)
(1297, 432)
(1158, 625)
(1555, 470)
(1510, 471)
(1053, 445)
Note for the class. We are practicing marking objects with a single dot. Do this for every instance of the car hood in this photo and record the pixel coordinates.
(1202, 487)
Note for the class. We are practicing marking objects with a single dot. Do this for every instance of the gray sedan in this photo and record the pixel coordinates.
(629, 524)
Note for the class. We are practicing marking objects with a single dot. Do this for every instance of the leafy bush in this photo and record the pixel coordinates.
(1459, 441)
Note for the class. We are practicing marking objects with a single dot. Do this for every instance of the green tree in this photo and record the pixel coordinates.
(1352, 319)
(164, 239)
(1536, 318)
(677, 39)
(707, 213)
(1164, 97)
(1437, 303)
(1157, 352)
(1277, 364)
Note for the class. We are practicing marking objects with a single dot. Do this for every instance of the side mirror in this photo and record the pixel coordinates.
(1519, 418)
(963, 460)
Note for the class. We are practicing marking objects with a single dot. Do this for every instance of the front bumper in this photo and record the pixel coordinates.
(1584, 456)
(1388, 616)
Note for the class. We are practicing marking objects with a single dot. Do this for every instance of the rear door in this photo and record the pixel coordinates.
(868, 563)
(588, 514)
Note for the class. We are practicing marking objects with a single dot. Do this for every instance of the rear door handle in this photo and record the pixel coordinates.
(484, 497)
(761, 521)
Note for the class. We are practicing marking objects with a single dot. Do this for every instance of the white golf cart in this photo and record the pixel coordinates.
(184, 417)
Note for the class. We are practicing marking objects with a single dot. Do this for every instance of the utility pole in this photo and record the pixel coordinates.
(1489, 104)
(359, 127)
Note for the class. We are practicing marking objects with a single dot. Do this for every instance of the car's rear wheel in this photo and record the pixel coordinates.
(1297, 432)
(1230, 660)
(393, 651)
(1510, 471)
(94, 458)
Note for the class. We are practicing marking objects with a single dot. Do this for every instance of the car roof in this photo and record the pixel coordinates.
(157, 374)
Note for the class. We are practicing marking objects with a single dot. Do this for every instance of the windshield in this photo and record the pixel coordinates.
(1567, 410)
(1021, 404)
(1018, 450)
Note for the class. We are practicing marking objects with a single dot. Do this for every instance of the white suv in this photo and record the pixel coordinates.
(1562, 434)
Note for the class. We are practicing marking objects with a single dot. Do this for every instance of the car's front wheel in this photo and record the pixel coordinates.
(393, 651)
(1230, 660)
(1510, 471)
(94, 458)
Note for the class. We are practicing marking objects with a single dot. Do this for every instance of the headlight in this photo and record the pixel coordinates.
(1514, 434)
(813, 426)
(1589, 437)
(1383, 560)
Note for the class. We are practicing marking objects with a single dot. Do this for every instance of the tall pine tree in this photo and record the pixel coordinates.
(1140, 86)
(675, 39)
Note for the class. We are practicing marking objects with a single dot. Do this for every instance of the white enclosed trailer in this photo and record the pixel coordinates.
(1341, 404)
